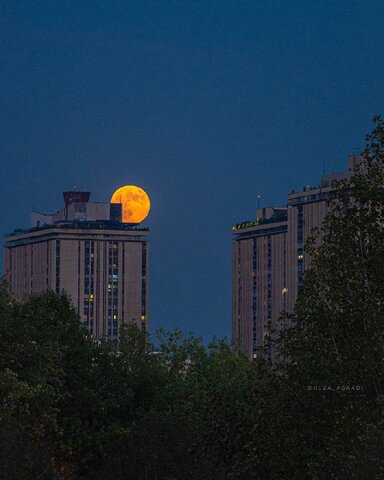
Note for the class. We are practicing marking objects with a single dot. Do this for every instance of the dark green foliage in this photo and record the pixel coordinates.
(36, 339)
(337, 340)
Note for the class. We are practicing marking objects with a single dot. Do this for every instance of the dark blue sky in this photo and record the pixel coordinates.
(204, 104)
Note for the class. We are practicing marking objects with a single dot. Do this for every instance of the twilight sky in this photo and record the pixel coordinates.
(204, 104)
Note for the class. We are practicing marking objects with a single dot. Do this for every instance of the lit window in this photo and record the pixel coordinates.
(284, 290)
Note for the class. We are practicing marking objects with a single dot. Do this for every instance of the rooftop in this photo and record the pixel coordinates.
(84, 225)
(278, 215)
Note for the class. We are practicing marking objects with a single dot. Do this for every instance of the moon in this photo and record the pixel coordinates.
(135, 203)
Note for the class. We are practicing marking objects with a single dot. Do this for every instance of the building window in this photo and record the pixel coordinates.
(58, 246)
(254, 296)
(143, 279)
(300, 242)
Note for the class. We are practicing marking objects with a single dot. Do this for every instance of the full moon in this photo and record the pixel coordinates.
(135, 203)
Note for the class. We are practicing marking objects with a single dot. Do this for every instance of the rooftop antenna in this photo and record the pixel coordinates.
(324, 166)
(258, 200)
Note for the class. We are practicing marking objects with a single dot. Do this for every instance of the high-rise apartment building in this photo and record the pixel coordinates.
(87, 251)
(268, 262)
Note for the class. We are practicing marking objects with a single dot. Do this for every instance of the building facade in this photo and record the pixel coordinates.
(269, 261)
(259, 278)
(88, 252)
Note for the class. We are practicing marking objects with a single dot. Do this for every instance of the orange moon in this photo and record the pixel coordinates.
(135, 203)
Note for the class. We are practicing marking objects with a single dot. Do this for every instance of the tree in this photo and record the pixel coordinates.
(35, 338)
(337, 341)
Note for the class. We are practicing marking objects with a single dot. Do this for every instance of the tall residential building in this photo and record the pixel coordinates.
(268, 262)
(87, 251)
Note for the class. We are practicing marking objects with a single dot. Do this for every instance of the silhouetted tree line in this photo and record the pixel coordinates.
(75, 409)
